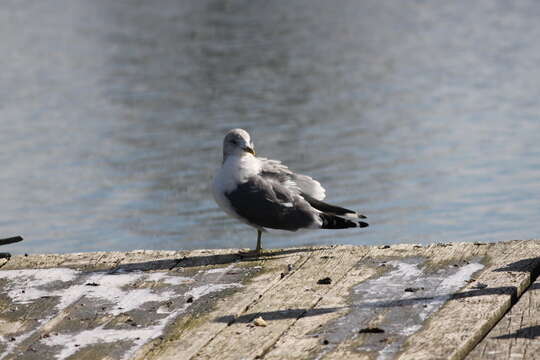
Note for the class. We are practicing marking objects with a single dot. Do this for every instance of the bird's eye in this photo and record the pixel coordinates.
(234, 142)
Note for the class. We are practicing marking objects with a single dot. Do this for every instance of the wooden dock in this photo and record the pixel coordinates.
(443, 301)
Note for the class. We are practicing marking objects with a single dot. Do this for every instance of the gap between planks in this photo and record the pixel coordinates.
(288, 300)
(184, 341)
(515, 334)
(508, 274)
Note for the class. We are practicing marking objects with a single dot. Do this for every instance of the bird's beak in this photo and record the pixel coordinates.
(249, 150)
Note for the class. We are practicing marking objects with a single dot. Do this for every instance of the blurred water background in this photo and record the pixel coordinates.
(424, 115)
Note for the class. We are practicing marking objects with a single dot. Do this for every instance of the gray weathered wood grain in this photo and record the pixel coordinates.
(354, 302)
(282, 306)
(191, 333)
(454, 330)
(517, 334)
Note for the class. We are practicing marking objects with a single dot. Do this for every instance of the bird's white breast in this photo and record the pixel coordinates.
(235, 170)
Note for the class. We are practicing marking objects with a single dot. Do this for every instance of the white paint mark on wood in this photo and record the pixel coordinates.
(218, 270)
(434, 298)
(167, 279)
(71, 343)
(117, 289)
(398, 302)
(206, 289)
(25, 286)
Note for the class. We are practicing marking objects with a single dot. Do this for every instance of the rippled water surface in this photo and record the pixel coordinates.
(424, 115)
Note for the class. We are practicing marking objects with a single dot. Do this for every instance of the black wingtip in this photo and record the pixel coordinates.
(331, 221)
(360, 216)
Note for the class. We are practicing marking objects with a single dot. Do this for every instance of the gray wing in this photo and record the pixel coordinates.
(265, 202)
(309, 189)
(295, 182)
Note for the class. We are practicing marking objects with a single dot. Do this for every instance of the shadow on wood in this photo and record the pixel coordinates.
(530, 265)
(277, 315)
(207, 260)
(531, 332)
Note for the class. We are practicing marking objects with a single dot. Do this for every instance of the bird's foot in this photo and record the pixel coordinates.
(251, 253)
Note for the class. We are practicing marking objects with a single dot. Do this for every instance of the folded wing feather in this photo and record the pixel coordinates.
(295, 182)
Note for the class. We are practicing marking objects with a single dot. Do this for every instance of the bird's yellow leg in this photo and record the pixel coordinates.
(258, 249)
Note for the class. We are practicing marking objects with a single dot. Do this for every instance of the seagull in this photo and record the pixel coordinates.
(266, 194)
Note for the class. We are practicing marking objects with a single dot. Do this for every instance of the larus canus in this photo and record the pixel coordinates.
(265, 194)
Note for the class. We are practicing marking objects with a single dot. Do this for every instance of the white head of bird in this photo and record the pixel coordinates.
(237, 142)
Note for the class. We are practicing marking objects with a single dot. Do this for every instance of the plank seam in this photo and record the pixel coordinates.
(65, 310)
(295, 269)
(265, 351)
(514, 298)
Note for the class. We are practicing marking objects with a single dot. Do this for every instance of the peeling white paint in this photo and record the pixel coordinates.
(439, 287)
(40, 276)
(217, 270)
(448, 285)
(24, 285)
(167, 279)
(206, 289)
(460, 277)
(112, 289)
(121, 290)
(12, 344)
(221, 270)
(383, 302)
(27, 286)
(71, 343)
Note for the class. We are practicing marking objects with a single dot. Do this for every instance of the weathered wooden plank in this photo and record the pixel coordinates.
(154, 289)
(456, 328)
(201, 304)
(25, 307)
(305, 336)
(386, 310)
(101, 260)
(394, 313)
(189, 334)
(517, 335)
(282, 306)
(336, 335)
(53, 286)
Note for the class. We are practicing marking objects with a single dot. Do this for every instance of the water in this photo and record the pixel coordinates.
(424, 115)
